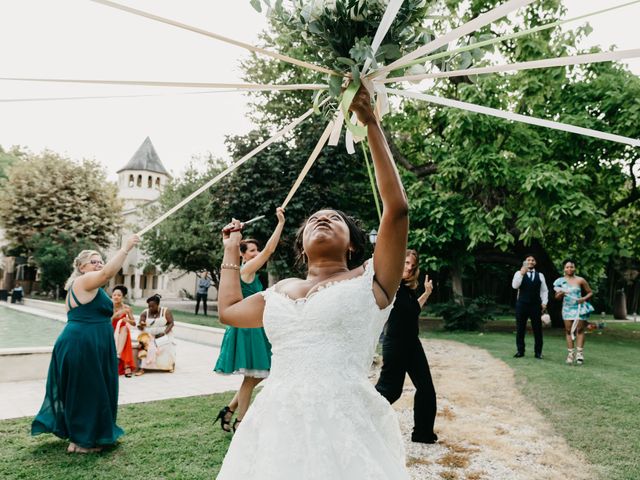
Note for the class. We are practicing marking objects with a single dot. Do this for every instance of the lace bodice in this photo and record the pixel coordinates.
(318, 415)
(333, 331)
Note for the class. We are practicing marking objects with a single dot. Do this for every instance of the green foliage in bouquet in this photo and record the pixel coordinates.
(339, 32)
(339, 35)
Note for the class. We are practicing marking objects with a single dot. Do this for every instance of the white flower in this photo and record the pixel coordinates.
(312, 10)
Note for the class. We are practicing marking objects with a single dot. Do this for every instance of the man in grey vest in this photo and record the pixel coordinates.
(533, 295)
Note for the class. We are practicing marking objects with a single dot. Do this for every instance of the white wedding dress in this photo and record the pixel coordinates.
(318, 415)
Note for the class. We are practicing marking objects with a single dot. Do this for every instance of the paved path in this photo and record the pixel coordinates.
(487, 429)
(193, 376)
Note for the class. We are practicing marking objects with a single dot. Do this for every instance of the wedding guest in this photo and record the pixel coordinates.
(402, 352)
(81, 399)
(158, 322)
(121, 318)
(247, 351)
(575, 309)
(533, 296)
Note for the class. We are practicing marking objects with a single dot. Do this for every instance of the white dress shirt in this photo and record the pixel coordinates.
(544, 291)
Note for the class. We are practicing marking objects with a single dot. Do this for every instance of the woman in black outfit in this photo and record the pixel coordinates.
(402, 353)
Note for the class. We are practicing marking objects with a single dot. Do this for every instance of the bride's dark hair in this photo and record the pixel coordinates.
(357, 237)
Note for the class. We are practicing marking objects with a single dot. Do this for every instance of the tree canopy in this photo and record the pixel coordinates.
(47, 192)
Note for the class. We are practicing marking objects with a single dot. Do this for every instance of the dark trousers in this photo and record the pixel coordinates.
(203, 297)
(406, 356)
(525, 311)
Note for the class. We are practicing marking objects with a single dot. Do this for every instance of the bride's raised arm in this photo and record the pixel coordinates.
(232, 308)
(391, 244)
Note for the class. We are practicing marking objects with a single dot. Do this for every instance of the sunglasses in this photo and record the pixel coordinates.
(96, 262)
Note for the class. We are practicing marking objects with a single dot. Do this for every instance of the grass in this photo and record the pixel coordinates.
(169, 439)
(186, 317)
(595, 407)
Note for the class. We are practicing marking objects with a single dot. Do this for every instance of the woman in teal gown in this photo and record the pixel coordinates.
(247, 351)
(81, 398)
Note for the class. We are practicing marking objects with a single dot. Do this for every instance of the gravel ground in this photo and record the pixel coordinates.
(487, 429)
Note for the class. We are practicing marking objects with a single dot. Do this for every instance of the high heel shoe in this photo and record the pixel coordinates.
(235, 425)
(224, 421)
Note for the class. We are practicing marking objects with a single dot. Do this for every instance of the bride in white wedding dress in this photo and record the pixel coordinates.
(319, 416)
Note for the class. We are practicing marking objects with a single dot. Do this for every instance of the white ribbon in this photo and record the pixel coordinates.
(230, 169)
(385, 23)
(545, 63)
(222, 38)
(307, 166)
(516, 117)
(469, 27)
(147, 83)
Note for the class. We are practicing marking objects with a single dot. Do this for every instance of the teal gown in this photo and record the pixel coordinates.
(81, 399)
(245, 351)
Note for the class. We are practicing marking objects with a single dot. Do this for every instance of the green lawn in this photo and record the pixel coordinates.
(170, 439)
(186, 317)
(596, 407)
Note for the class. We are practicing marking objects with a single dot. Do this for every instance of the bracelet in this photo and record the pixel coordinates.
(126, 252)
(230, 266)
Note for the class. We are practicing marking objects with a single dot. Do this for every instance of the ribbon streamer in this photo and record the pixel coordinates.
(228, 170)
(146, 83)
(516, 117)
(385, 24)
(307, 166)
(222, 38)
(469, 27)
(102, 97)
(545, 63)
(512, 36)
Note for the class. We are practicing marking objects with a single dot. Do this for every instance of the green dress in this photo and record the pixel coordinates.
(81, 399)
(245, 351)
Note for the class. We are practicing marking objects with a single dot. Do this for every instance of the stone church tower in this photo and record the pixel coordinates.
(140, 183)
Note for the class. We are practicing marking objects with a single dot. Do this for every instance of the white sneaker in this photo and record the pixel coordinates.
(579, 357)
(570, 357)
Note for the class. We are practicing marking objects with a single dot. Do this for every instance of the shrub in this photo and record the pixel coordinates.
(469, 315)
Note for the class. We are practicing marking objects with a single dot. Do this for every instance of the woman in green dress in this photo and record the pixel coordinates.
(81, 399)
(247, 351)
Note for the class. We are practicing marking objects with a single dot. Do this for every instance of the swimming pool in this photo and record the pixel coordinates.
(19, 329)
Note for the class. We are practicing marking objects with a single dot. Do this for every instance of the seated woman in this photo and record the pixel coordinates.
(122, 316)
(158, 322)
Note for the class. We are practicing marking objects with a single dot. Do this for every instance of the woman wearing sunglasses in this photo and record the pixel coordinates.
(81, 399)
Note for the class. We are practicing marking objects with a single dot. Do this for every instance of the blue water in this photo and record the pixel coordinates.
(18, 329)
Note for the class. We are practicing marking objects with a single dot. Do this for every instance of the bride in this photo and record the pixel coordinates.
(318, 416)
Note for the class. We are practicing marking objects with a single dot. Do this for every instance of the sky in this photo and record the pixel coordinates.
(83, 39)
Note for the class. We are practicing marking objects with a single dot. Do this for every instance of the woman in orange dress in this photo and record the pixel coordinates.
(121, 316)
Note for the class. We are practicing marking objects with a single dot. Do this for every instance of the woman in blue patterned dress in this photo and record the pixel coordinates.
(575, 309)
(246, 351)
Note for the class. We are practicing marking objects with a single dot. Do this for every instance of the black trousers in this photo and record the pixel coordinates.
(203, 297)
(406, 356)
(525, 311)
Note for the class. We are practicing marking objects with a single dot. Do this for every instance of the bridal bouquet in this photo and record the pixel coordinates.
(339, 33)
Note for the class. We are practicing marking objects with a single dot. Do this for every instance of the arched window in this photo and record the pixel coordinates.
(158, 183)
(130, 181)
(149, 182)
(139, 182)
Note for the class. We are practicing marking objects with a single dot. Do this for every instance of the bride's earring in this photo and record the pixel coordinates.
(304, 258)
(350, 252)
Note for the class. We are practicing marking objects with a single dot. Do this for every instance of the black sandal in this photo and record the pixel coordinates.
(224, 421)
(235, 425)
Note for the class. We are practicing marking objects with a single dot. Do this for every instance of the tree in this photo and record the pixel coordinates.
(53, 253)
(486, 190)
(7, 157)
(47, 192)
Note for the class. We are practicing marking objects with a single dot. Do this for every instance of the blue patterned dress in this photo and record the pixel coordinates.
(571, 309)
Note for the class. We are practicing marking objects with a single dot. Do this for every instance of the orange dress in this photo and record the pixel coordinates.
(126, 357)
